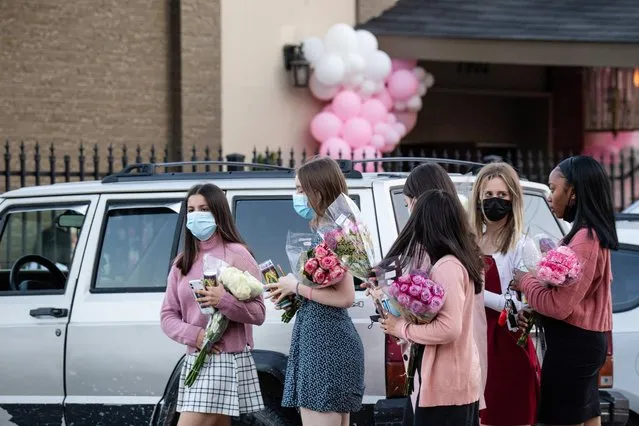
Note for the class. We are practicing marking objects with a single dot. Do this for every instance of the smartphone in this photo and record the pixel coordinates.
(270, 275)
(199, 285)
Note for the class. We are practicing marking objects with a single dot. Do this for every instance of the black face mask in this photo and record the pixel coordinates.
(495, 208)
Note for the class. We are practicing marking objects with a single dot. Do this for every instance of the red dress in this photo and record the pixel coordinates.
(512, 387)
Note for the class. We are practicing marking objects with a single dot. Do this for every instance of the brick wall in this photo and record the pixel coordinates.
(98, 73)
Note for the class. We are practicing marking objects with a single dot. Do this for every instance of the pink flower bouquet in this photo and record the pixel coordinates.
(314, 266)
(417, 298)
(560, 267)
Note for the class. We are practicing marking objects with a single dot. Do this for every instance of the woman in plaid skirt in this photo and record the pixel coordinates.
(227, 385)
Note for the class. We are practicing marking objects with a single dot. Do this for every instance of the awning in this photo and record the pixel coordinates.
(534, 32)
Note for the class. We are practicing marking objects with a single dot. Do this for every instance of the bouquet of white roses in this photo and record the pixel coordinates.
(243, 286)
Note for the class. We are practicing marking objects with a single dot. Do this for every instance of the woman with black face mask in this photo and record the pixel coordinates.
(496, 216)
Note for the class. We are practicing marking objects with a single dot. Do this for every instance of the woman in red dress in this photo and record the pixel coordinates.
(496, 214)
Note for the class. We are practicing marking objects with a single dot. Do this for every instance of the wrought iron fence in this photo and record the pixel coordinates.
(35, 164)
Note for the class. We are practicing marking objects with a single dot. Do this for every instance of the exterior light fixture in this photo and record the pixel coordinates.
(297, 65)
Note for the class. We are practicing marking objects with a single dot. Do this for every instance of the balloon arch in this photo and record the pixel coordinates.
(372, 100)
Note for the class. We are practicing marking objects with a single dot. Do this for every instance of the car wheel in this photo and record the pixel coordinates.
(633, 421)
(273, 414)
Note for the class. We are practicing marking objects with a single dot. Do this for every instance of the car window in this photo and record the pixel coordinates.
(538, 217)
(136, 248)
(264, 223)
(37, 231)
(625, 270)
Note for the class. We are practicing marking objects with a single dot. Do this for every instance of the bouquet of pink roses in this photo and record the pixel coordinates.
(553, 265)
(344, 232)
(417, 298)
(313, 266)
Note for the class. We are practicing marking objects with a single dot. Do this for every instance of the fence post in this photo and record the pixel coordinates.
(52, 172)
(7, 166)
(236, 158)
(110, 159)
(36, 160)
(81, 159)
(207, 157)
(23, 165)
(67, 168)
(96, 162)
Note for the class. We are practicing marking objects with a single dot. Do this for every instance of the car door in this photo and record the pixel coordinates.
(263, 218)
(118, 359)
(34, 313)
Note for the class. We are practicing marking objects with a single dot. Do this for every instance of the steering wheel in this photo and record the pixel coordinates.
(57, 275)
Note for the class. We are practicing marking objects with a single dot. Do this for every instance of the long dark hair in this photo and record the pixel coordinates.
(425, 177)
(216, 201)
(593, 199)
(438, 227)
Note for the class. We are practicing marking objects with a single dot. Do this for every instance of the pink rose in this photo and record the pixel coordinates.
(319, 276)
(321, 251)
(393, 290)
(419, 280)
(415, 291)
(435, 304)
(426, 296)
(417, 307)
(310, 266)
(404, 288)
(404, 279)
(336, 274)
(328, 262)
(436, 289)
(404, 300)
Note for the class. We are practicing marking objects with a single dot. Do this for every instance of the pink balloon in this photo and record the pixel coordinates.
(386, 99)
(403, 64)
(382, 128)
(347, 104)
(335, 148)
(357, 132)
(408, 119)
(400, 128)
(388, 148)
(365, 153)
(391, 119)
(402, 85)
(325, 125)
(328, 108)
(373, 111)
(378, 141)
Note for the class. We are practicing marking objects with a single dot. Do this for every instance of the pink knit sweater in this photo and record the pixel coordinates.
(450, 370)
(181, 318)
(586, 303)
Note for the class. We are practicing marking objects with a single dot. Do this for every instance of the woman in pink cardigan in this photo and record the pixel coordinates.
(575, 318)
(449, 372)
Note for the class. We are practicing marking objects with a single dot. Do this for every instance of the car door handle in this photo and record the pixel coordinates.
(49, 312)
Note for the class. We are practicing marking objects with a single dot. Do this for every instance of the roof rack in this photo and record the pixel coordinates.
(149, 171)
(630, 217)
(474, 167)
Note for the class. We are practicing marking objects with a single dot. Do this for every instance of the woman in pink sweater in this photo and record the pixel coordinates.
(227, 384)
(575, 318)
(449, 372)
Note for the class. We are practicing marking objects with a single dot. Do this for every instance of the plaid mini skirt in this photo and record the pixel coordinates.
(227, 384)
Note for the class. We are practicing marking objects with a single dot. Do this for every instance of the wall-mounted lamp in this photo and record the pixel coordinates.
(295, 62)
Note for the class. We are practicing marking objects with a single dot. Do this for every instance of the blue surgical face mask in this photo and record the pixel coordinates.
(201, 224)
(300, 204)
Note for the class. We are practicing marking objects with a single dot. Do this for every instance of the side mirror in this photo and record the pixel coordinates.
(70, 221)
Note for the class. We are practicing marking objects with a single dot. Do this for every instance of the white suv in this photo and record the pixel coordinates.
(83, 271)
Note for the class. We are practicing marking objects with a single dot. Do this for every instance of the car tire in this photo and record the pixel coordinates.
(272, 415)
(634, 420)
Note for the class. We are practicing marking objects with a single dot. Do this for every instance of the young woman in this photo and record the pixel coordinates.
(423, 178)
(575, 318)
(449, 372)
(227, 384)
(497, 215)
(325, 372)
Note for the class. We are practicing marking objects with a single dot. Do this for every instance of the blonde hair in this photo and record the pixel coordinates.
(510, 234)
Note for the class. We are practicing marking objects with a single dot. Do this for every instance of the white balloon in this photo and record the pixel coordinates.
(313, 49)
(321, 91)
(429, 80)
(422, 89)
(355, 80)
(381, 85)
(378, 65)
(366, 41)
(355, 63)
(330, 69)
(340, 38)
(420, 73)
(368, 87)
(400, 106)
(414, 104)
